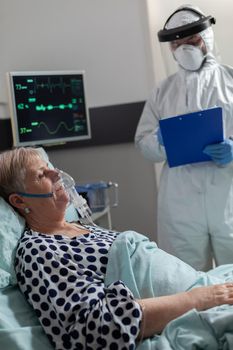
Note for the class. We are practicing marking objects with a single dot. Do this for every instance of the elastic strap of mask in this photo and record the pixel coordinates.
(36, 195)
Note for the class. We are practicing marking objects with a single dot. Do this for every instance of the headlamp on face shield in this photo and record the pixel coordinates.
(167, 35)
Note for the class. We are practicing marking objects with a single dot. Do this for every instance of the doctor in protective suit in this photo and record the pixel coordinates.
(195, 201)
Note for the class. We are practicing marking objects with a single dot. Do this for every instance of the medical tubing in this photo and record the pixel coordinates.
(76, 199)
(80, 204)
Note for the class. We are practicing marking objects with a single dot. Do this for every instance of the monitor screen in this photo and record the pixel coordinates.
(48, 107)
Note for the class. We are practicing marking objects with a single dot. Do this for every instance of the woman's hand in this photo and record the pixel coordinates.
(157, 312)
(210, 296)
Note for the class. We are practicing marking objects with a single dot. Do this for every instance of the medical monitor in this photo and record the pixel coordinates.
(48, 107)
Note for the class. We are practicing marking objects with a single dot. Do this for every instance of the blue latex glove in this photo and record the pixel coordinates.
(160, 137)
(221, 153)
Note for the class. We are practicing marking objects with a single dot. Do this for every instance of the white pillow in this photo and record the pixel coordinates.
(11, 228)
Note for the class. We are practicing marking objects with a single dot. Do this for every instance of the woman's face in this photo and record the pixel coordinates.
(40, 179)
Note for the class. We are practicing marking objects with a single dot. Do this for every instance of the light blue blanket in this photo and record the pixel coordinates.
(19, 325)
(149, 271)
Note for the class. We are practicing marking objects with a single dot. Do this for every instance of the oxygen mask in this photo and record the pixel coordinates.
(80, 203)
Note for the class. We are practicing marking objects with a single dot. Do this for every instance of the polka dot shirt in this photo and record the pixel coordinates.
(63, 279)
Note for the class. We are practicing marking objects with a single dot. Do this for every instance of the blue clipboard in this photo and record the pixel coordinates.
(185, 136)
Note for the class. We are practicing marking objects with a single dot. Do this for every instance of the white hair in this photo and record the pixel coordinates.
(13, 167)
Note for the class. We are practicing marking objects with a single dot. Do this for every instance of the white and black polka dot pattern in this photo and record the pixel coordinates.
(63, 279)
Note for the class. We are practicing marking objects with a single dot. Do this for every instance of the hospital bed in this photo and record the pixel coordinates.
(20, 328)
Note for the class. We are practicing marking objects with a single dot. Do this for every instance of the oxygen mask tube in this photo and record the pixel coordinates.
(76, 199)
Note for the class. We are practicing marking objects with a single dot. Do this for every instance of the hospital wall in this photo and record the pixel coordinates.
(115, 42)
(109, 40)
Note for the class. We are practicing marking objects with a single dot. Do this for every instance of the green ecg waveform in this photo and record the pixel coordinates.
(73, 128)
(51, 84)
(51, 107)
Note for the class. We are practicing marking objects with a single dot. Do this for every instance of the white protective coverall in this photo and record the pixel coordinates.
(195, 202)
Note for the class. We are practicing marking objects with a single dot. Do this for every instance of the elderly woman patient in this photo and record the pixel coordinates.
(61, 268)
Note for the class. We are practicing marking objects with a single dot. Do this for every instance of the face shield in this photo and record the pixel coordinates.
(186, 39)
